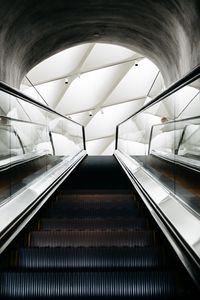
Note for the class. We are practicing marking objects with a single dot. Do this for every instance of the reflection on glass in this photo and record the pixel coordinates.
(32, 141)
(165, 139)
(10, 144)
(66, 137)
(178, 140)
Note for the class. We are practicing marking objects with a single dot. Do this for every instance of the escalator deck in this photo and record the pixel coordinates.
(93, 246)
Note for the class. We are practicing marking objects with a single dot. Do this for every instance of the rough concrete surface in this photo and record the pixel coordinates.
(166, 31)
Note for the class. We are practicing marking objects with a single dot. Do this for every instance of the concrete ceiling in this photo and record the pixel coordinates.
(166, 31)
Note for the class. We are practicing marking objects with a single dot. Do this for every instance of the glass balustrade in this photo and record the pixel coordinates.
(165, 140)
(33, 141)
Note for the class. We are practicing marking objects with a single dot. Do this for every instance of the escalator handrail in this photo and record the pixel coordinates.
(17, 93)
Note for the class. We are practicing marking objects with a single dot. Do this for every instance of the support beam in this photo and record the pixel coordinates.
(77, 72)
(105, 145)
(105, 106)
(113, 87)
(101, 138)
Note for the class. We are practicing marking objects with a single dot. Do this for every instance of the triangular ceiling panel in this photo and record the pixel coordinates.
(106, 84)
(83, 118)
(58, 65)
(105, 123)
(52, 91)
(177, 102)
(109, 149)
(157, 87)
(88, 90)
(192, 109)
(136, 83)
(106, 54)
(97, 147)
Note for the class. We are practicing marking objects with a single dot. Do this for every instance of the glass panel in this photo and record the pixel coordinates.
(32, 141)
(165, 139)
(66, 136)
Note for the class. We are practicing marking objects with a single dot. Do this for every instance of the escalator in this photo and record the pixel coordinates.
(93, 239)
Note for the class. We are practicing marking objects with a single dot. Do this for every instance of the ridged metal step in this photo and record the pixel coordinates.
(93, 224)
(92, 213)
(89, 258)
(60, 204)
(87, 198)
(141, 285)
(82, 192)
(91, 239)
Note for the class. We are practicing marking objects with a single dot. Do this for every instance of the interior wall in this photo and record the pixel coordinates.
(167, 32)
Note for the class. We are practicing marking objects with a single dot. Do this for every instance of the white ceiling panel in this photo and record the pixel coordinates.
(88, 90)
(105, 124)
(157, 86)
(177, 102)
(97, 147)
(82, 118)
(136, 83)
(51, 92)
(58, 65)
(192, 109)
(110, 149)
(106, 54)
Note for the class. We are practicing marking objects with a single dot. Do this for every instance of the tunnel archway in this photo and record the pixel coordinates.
(165, 31)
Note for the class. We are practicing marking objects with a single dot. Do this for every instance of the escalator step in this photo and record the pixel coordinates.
(103, 192)
(88, 198)
(91, 238)
(91, 213)
(93, 224)
(97, 192)
(93, 205)
(94, 284)
(101, 258)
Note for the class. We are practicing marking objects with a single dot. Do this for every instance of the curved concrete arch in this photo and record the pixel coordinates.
(166, 31)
